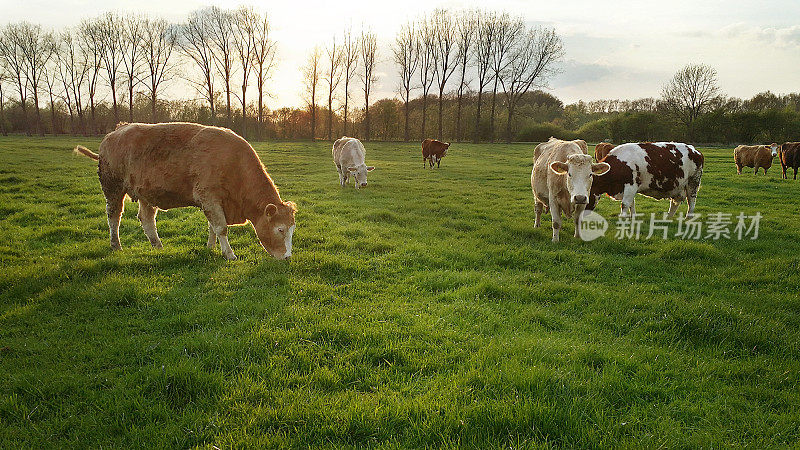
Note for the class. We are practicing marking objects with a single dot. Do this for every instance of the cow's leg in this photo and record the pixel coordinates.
(693, 185)
(341, 177)
(578, 213)
(628, 197)
(438, 162)
(147, 217)
(738, 169)
(218, 224)
(115, 196)
(674, 203)
(212, 237)
(538, 207)
(556, 216)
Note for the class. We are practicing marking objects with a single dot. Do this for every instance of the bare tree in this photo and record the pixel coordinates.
(92, 49)
(4, 76)
(406, 55)
(220, 23)
(369, 48)
(37, 48)
(427, 65)
(50, 75)
(245, 22)
(133, 45)
(444, 53)
(74, 70)
(690, 92)
(263, 60)
(311, 78)
(467, 24)
(13, 60)
(195, 42)
(158, 42)
(332, 77)
(506, 30)
(484, 44)
(532, 60)
(111, 31)
(349, 66)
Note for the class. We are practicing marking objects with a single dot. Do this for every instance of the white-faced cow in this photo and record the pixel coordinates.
(348, 156)
(561, 180)
(170, 165)
(433, 151)
(757, 156)
(658, 170)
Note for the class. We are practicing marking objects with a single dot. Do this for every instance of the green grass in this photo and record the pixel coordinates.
(422, 311)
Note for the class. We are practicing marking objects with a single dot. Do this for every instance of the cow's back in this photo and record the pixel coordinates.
(168, 164)
(351, 153)
(753, 156)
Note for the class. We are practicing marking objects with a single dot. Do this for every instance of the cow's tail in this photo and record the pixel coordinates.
(81, 150)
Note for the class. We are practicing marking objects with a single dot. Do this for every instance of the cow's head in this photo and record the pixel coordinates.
(360, 174)
(774, 148)
(275, 229)
(579, 171)
(446, 146)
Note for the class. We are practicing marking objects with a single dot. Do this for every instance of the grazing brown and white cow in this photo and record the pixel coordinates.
(655, 169)
(561, 180)
(789, 157)
(434, 151)
(601, 150)
(349, 155)
(170, 165)
(757, 156)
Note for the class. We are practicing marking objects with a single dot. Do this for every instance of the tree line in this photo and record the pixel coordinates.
(463, 75)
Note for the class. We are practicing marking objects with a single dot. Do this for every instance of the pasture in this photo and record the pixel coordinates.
(422, 311)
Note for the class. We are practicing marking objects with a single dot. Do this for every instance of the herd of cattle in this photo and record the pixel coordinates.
(172, 165)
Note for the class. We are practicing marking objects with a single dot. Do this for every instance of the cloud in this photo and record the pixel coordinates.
(787, 37)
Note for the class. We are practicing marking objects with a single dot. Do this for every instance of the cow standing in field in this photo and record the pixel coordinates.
(171, 165)
(655, 169)
(789, 157)
(601, 150)
(434, 151)
(348, 156)
(757, 156)
(561, 180)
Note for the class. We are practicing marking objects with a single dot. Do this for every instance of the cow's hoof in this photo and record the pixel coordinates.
(230, 257)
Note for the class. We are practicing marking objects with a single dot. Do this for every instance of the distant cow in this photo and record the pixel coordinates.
(434, 151)
(655, 169)
(754, 156)
(790, 157)
(561, 179)
(348, 155)
(170, 165)
(601, 150)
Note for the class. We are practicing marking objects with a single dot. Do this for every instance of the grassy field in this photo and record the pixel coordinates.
(422, 311)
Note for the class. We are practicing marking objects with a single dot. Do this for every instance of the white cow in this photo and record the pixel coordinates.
(561, 179)
(348, 155)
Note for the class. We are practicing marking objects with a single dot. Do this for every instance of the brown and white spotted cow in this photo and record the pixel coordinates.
(655, 169)
(434, 151)
(790, 157)
(171, 165)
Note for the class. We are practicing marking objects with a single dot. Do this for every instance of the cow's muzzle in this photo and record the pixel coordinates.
(580, 200)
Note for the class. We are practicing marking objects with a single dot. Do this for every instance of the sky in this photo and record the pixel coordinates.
(613, 49)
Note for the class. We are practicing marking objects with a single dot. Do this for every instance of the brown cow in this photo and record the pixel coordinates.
(434, 151)
(601, 150)
(754, 156)
(789, 157)
(170, 165)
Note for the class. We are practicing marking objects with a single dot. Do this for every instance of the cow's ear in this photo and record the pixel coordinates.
(270, 210)
(600, 168)
(352, 169)
(559, 167)
(370, 168)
